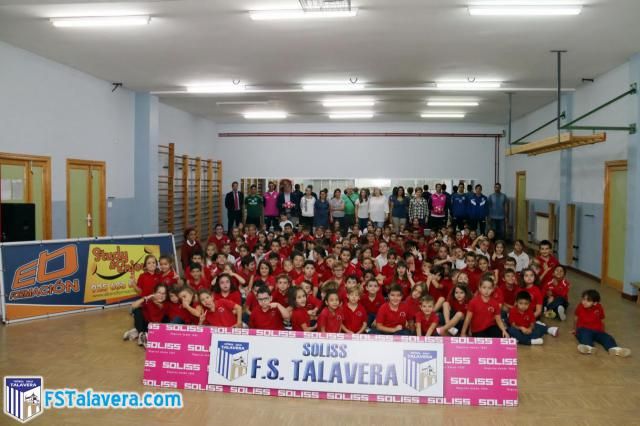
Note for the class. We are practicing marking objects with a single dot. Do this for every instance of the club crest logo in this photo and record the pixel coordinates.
(420, 369)
(23, 397)
(232, 359)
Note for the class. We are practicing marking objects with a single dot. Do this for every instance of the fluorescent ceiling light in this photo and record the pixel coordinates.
(216, 88)
(345, 102)
(466, 85)
(269, 15)
(331, 87)
(100, 21)
(262, 115)
(452, 103)
(341, 115)
(525, 8)
(223, 103)
(442, 114)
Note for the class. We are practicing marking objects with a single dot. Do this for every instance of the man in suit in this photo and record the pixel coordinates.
(287, 197)
(234, 201)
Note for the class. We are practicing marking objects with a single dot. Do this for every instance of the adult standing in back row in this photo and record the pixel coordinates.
(271, 210)
(477, 210)
(253, 203)
(399, 207)
(349, 197)
(498, 211)
(234, 201)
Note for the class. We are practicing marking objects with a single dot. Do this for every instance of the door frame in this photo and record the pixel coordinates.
(46, 185)
(103, 204)
(526, 216)
(609, 167)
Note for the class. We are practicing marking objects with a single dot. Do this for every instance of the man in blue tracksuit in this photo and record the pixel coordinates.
(478, 210)
(459, 207)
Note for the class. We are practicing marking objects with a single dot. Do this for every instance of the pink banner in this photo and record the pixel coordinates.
(477, 371)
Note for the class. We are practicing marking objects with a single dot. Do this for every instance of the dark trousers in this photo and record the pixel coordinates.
(234, 218)
(478, 225)
(458, 223)
(402, 332)
(555, 303)
(362, 223)
(498, 226)
(139, 322)
(539, 330)
(586, 336)
(436, 223)
(271, 221)
(349, 220)
(493, 331)
(306, 222)
(253, 221)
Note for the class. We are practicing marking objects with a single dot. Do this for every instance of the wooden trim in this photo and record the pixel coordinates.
(219, 190)
(356, 135)
(170, 189)
(90, 165)
(198, 205)
(210, 197)
(554, 143)
(524, 238)
(185, 192)
(552, 226)
(571, 224)
(630, 297)
(610, 166)
(45, 163)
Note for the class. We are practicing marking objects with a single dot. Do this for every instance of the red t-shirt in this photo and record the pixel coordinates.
(233, 296)
(457, 306)
(590, 318)
(521, 319)
(313, 280)
(509, 295)
(147, 283)
(222, 314)
(219, 242)
(152, 312)
(251, 242)
(390, 318)
(484, 313)
(280, 298)
(313, 302)
(372, 306)
(252, 301)
(560, 289)
(300, 316)
(331, 321)
(353, 319)
(536, 295)
(353, 270)
(294, 275)
(442, 291)
(474, 278)
(270, 320)
(406, 287)
(176, 310)
(497, 295)
(425, 322)
(170, 279)
(551, 263)
(200, 285)
(413, 307)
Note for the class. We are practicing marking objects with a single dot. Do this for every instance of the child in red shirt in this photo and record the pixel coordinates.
(403, 279)
(589, 327)
(281, 292)
(196, 279)
(189, 246)
(438, 288)
(300, 317)
(168, 275)
(220, 313)
(331, 318)
(547, 261)
(268, 315)
(190, 304)
(413, 304)
(471, 271)
(455, 309)
(224, 288)
(426, 319)
(510, 289)
(148, 280)
(372, 299)
(556, 295)
(151, 308)
(523, 325)
(355, 317)
(530, 285)
(483, 314)
(392, 316)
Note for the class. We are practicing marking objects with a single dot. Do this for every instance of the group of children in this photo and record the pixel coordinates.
(370, 281)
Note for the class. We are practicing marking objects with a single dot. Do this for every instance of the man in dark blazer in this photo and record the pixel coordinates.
(285, 196)
(234, 201)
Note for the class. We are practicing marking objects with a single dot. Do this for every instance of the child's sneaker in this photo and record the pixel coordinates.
(621, 352)
(550, 314)
(130, 334)
(553, 331)
(586, 349)
(453, 331)
(537, 341)
(142, 339)
(561, 313)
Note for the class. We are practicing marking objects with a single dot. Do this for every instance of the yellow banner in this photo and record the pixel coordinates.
(111, 268)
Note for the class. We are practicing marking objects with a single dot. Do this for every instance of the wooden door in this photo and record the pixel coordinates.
(86, 198)
(521, 207)
(614, 223)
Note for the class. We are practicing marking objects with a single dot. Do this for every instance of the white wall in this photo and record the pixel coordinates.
(194, 136)
(373, 157)
(50, 109)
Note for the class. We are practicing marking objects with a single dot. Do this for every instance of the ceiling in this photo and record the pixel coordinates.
(389, 44)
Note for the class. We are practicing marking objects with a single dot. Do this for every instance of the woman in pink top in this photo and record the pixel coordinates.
(438, 213)
(271, 206)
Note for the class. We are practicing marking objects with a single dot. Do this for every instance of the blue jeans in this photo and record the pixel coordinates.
(378, 224)
(498, 226)
(539, 330)
(362, 223)
(587, 336)
(370, 319)
(555, 303)
(177, 320)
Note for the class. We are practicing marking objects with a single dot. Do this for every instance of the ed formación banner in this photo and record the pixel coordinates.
(42, 278)
(353, 367)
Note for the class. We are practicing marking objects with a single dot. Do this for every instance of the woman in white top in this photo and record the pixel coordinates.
(362, 209)
(307, 203)
(521, 257)
(378, 208)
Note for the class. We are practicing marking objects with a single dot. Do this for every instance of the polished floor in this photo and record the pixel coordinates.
(557, 385)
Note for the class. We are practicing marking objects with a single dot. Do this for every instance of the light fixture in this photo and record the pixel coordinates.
(331, 87)
(265, 115)
(452, 103)
(444, 114)
(270, 15)
(342, 115)
(525, 8)
(348, 102)
(467, 85)
(216, 88)
(100, 21)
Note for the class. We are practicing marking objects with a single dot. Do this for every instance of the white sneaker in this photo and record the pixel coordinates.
(541, 323)
(439, 331)
(537, 341)
(141, 339)
(586, 349)
(621, 352)
(561, 313)
(553, 331)
(453, 331)
(130, 334)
